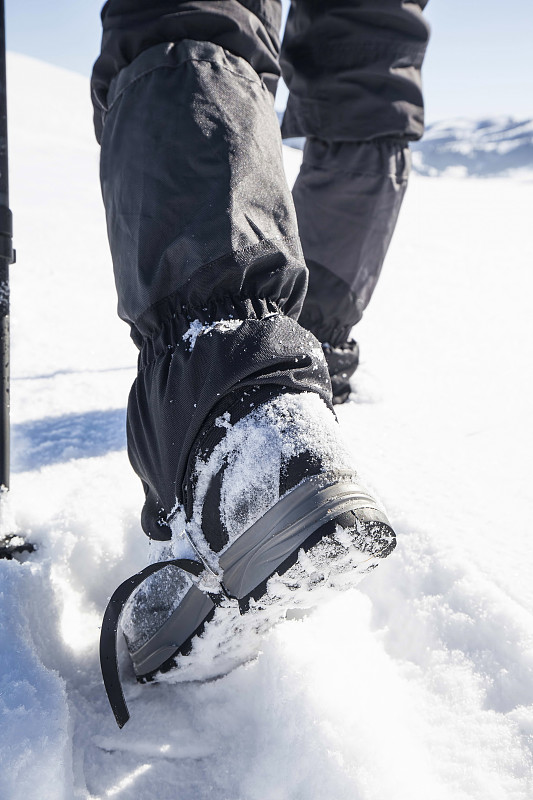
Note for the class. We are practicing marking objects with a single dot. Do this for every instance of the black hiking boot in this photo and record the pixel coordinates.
(342, 362)
(276, 519)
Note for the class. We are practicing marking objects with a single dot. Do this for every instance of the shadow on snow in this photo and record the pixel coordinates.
(38, 443)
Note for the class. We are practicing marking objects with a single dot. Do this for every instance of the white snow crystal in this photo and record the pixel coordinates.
(198, 328)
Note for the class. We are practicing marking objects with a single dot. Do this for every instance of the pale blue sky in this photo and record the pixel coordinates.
(478, 63)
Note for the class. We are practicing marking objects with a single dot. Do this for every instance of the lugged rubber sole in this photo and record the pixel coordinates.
(274, 537)
(320, 538)
(188, 619)
(323, 535)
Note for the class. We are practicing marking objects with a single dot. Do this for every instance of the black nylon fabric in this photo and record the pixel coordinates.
(192, 171)
(353, 69)
(354, 74)
(347, 196)
(247, 28)
(352, 66)
(331, 313)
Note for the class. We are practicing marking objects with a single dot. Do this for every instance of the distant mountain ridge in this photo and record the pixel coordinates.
(500, 146)
(494, 147)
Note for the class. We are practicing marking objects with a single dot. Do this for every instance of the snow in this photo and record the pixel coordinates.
(419, 684)
(251, 455)
(498, 146)
(197, 328)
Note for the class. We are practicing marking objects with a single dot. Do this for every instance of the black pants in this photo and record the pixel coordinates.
(201, 224)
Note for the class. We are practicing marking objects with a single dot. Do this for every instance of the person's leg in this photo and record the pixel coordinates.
(353, 71)
(201, 224)
(230, 426)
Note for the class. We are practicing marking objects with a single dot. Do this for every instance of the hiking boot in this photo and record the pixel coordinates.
(274, 519)
(342, 362)
(275, 476)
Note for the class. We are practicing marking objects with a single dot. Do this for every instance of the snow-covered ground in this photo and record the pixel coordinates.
(416, 686)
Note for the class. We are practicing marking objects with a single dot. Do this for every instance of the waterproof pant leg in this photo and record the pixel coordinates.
(353, 71)
(207, 261)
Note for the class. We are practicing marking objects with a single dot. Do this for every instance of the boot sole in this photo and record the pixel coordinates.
(280, 533)
(294, 556)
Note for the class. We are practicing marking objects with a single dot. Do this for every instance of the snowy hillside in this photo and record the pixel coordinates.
(463, 147)
(416, 686)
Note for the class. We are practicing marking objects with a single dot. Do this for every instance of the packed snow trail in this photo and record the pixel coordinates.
(418, 684)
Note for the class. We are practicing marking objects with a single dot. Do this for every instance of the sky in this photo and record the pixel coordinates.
(478, 62)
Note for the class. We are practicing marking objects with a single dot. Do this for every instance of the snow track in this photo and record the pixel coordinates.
(417, 685)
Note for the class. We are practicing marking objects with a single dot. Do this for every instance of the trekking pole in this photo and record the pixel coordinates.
(11, 543)
(7, 257)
